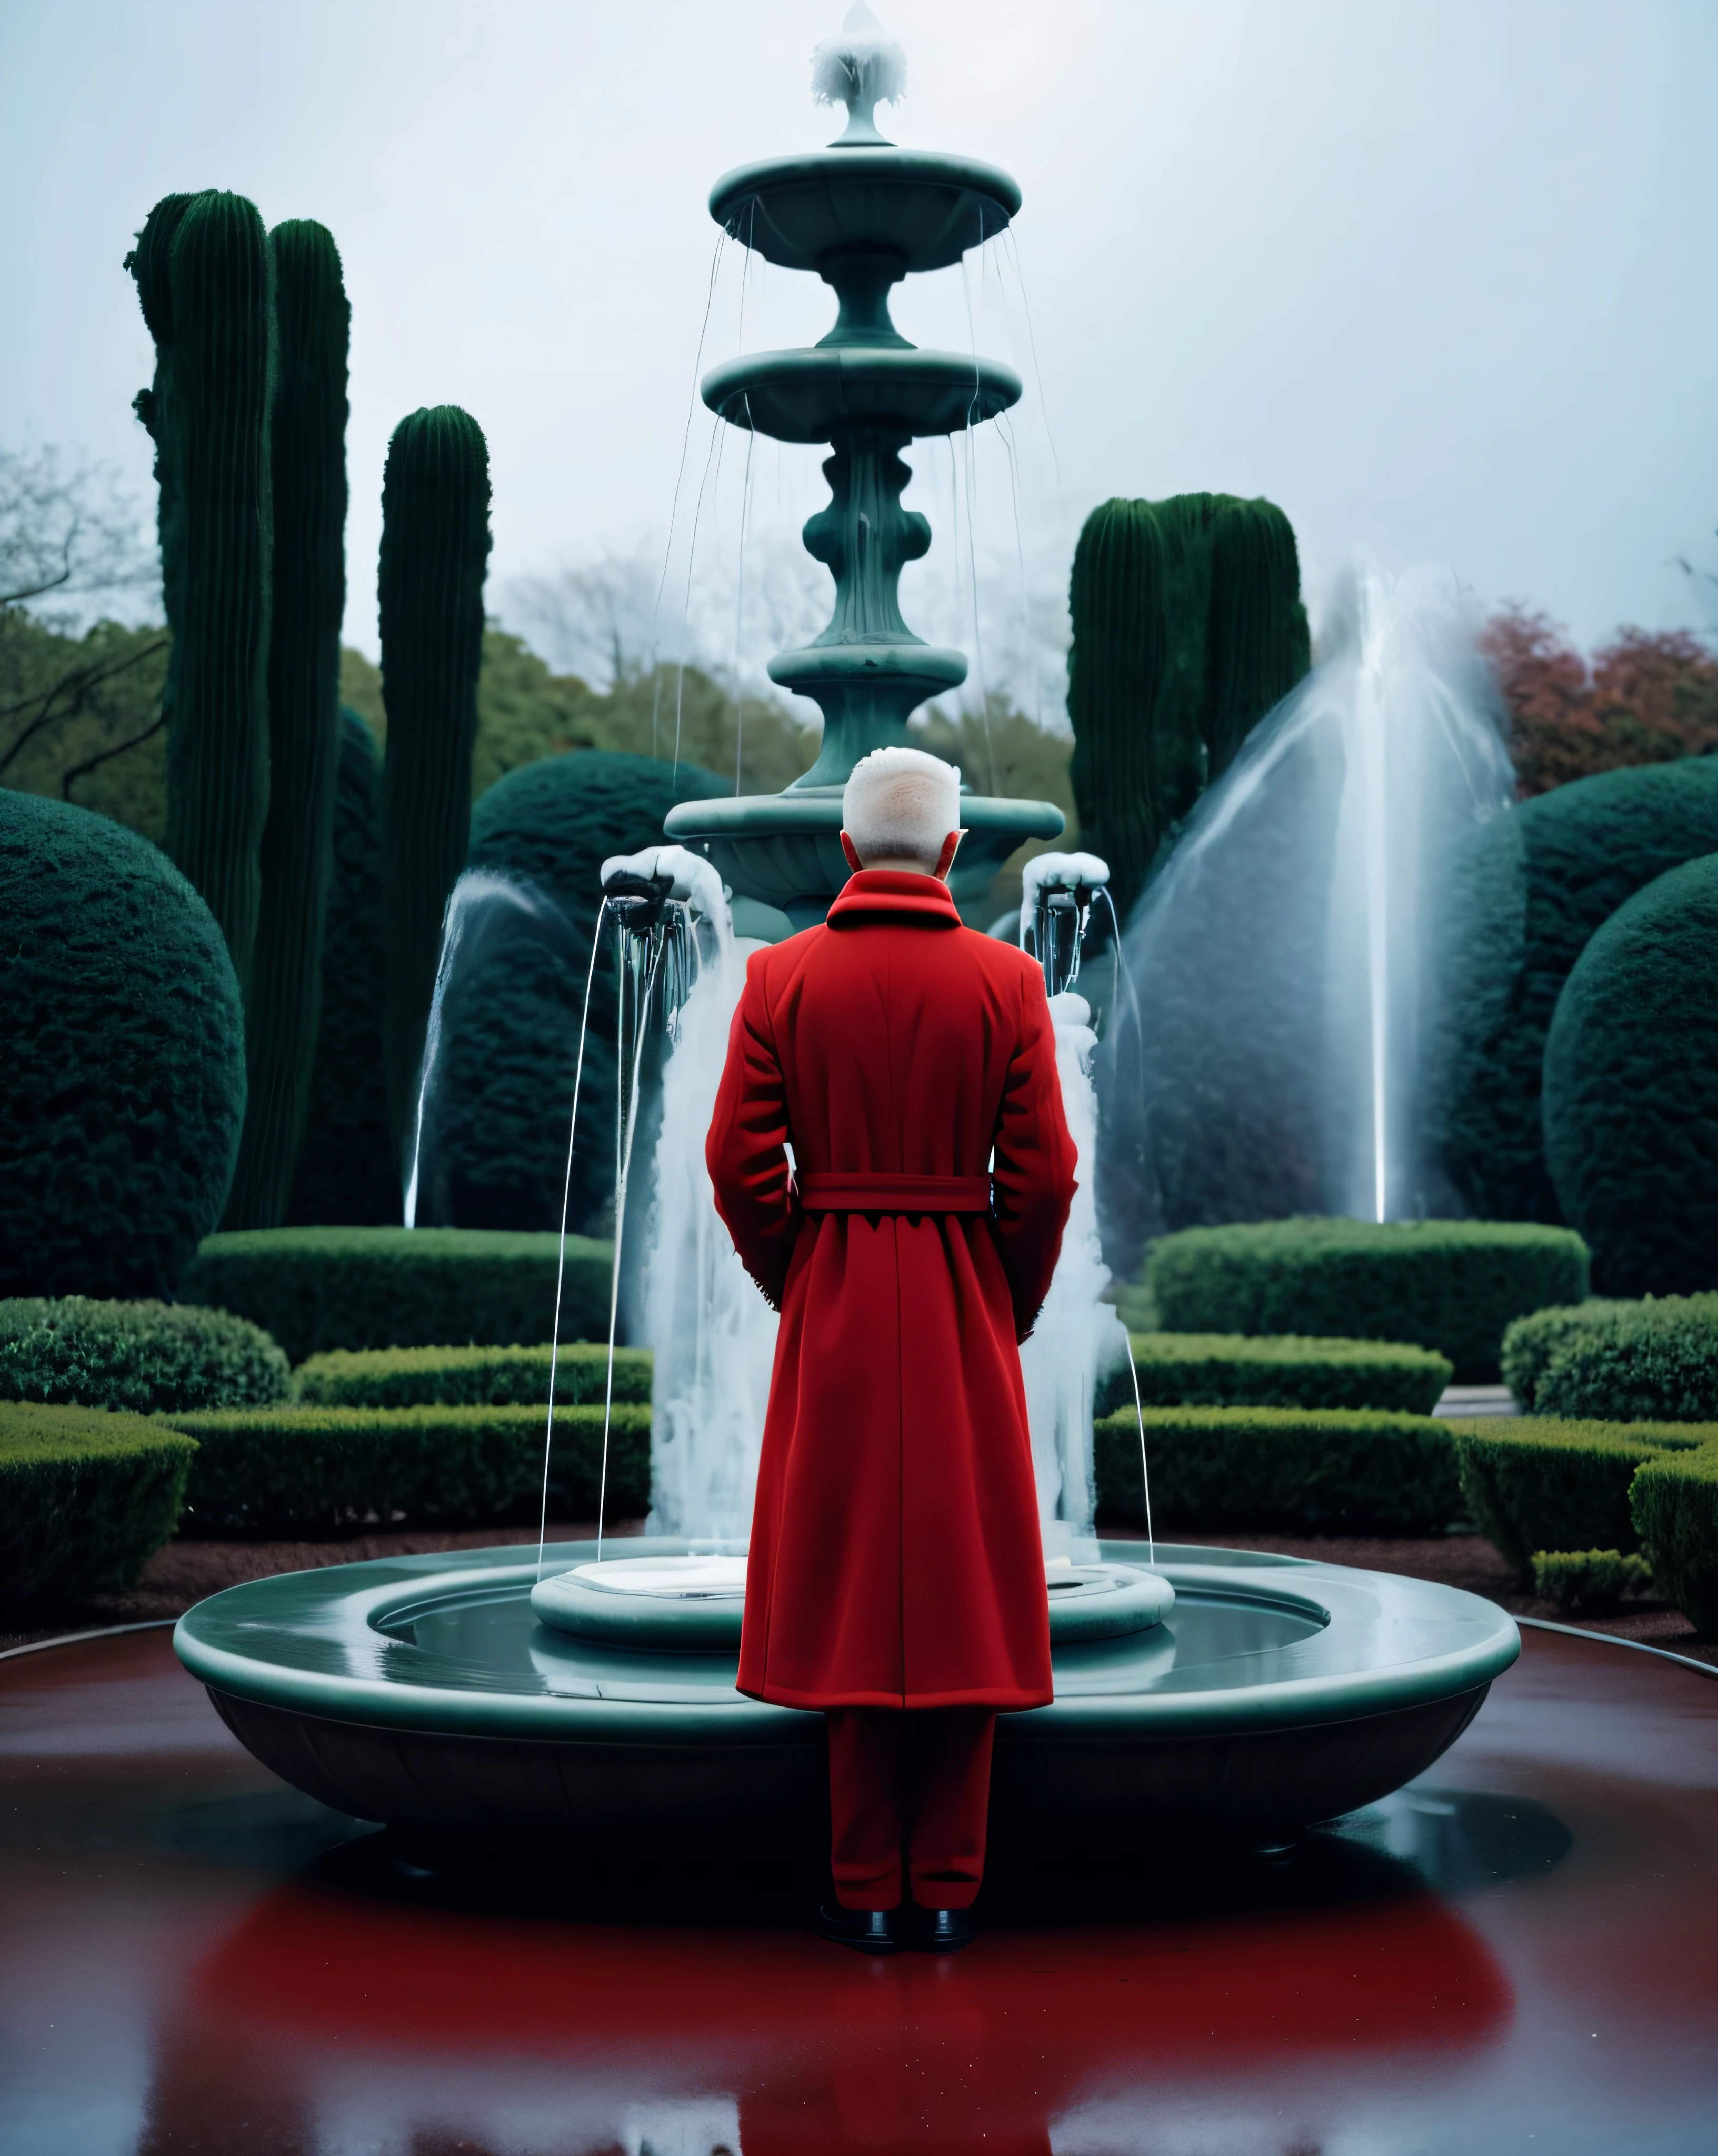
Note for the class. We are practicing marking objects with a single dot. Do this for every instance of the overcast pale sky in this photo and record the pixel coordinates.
(1438, 279)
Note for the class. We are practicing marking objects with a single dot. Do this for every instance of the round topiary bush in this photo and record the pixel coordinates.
(122, 1040)
(1526, 891)
(493, 1144)
(148, 1358)
(1631, 1090)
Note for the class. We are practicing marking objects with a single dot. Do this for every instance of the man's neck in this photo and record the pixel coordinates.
(900, 867)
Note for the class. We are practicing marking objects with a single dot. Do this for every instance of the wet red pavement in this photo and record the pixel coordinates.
(1521, 1952)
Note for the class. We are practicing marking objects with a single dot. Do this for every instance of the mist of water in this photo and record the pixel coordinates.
(1078, 1338)
(1285, 958)
(481, 907)
(711, 1334)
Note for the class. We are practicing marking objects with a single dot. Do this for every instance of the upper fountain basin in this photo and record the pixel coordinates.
(801, 396)
(929, 205)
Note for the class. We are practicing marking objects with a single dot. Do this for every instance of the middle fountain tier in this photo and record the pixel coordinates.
(863, 215)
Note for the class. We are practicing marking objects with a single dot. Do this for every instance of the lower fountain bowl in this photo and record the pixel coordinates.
(696, 1605)
(1274, 1694)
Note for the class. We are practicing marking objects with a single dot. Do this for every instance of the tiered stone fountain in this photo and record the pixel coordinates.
(862, 215)
(598, 1707)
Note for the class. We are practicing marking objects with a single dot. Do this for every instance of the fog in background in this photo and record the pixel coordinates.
(1437, 279)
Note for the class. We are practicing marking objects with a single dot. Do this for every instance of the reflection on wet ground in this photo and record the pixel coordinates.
(1518, 1951)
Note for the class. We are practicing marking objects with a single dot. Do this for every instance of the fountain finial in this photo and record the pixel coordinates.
(861, 70)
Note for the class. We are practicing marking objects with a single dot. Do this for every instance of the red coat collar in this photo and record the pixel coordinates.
(871, 892)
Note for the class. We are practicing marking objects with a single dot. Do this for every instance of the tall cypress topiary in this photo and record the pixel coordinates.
(344, 1175)
(203, 275)
(1116, 600)
(435, 545)
(310, 489)
(1187, 629)
(1257, 643)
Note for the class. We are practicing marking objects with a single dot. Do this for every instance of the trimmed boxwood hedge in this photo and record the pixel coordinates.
(1533, 1341)
(1234, 1369)
(140, 1356)
(1581, 1582)
(319, 1288)
(1674, 1504)
(1452, 1285)
(1337, 1471)
(1655, 1361)
(1537, 1484)
(322, 1470)
(1631, 1090)
(86, 1497)
(470, 1377)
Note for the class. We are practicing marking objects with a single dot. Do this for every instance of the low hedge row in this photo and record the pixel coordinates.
(1450, 1285)
(1653, 1361)
(141, 1357)
(1231, 1369)
(321, 1288)
(85, 1497)
(307, 1471)
(1532, 1343)
(470, 1377)
(1336, 1471)
(1674, 1504)
(1538, 1484)
(1583, 1582)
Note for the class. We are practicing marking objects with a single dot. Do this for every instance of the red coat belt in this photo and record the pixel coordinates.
(865, 1190)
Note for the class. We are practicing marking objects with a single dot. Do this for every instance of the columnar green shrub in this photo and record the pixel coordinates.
(1655, 1361)
(317, 1471)
(1126, 780)
(85, 1498)
(205, 280)
(1630, 1089)
(1674, 1504)
(495, 1152)
(1581, 1582)
(1525, 893)
(318, 1288)
(1257, 641)
(142, 1357)
(1537, 1484)
(1452, 1285)
(1337, 1470)
(308, 462)
(435, 548)
(1187, 629)
(1220, 1369)
(121, 1057)
(1532, 1343)
(470, 1377)
(346, 1172)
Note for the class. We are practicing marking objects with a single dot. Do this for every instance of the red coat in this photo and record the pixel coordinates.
(895, 1558)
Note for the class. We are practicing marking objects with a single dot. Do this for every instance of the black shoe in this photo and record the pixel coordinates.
(866, 1931)
(941, 1931)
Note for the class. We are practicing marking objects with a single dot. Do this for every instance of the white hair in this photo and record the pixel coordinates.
(901, 804)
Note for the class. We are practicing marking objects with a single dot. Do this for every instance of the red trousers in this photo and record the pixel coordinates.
(910, 1784)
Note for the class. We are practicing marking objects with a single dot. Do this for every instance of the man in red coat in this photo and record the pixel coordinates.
(896, 1578)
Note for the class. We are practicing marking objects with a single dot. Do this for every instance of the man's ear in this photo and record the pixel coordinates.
(946, 858)
(851, 851)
